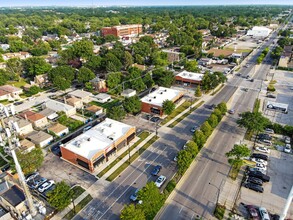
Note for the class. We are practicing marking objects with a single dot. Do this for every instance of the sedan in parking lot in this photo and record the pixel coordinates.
(160, 181)
(46, 185)
(261, 166)
(31, 176)
(257, 160)
(253, 187)
(263, 149)
(287, 148)
(287, 140)
(269, 131)
(155, 119)
(271, 96)
(263, 213)
(259, 175)
(264, 141)
(156, 170)
(255, 180)
(260, 156)
(265, 137)
(253, 169)
(253, 212)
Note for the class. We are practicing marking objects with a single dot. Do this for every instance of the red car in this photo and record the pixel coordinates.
(253, 212)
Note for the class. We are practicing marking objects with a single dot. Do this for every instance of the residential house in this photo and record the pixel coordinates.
(75, 102)
(40, 138)
(103, 98)
(60, 107)
(128, 93)
(172, 55)
(59, 129)
(83, 95)
(4, 95)
(95, 110)
(20, 55)
(41, 80)
(99, 84)
(38, 120)
(49, 113)
(24, 126)
(14, 92)
(26, 146)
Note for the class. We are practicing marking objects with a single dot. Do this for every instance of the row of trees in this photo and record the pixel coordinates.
(262, 55)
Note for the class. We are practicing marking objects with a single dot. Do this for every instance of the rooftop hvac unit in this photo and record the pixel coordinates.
(165, 90)
(150, 100)
(161, 93)
(154, 97)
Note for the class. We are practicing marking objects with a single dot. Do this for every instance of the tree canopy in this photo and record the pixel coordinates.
(31, 161)
(61, 196)
(61, 77)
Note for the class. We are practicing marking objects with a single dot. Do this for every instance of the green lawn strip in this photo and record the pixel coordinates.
(78, 207)
(77, 191)
(132, 158)
(18, 84)
(234, 171)
(107, 104)
(177, 111)
(256, 105)
(142, 137)
(219, 211)
(173, 124)
(215, 92)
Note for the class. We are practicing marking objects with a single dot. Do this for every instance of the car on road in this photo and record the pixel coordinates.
(46, 185)
(254, 180)
(18, 103)
(156, 170)
(271, 96)
(269, 131)
(245, 89)
(133, 197)
(251, 80)
(258, 160)
(252, 210)
(175, 158)
(231, 111)
(155, 119)
(193, 129)
(246, 65)
(263, 149)
(260, 175)
(212, 106)
(260, 156)
(263, 213)
(253, 187)
(287, 148)
(160, 181)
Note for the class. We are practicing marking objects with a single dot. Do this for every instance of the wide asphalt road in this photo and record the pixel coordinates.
(212, 164)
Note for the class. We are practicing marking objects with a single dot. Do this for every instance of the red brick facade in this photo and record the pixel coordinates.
(189, 81)
(120, 31)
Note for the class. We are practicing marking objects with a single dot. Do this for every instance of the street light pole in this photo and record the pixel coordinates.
(128, 153)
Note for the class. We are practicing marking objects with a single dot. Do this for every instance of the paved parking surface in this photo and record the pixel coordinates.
(140, 122)
(280, 168)
(56, 169)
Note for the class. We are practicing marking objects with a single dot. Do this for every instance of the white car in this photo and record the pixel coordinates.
(261, 166)
(287, 140)
(287, 148)
(258, 169)
(160, 181)
(263, 213)
(46, 186)
(258, 160)
(263, 149)
(270, 131)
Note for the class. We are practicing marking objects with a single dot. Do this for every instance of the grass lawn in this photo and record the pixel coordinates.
(219, 211)
(234, 171)
(5, 102)
(107, 104)
(177, 111)
(238, 50)
(78, 207)
(185, 115)
(132, 158)
(256, 105)
(77, 191)
(19, 84)
(69, 122)
(142, 136)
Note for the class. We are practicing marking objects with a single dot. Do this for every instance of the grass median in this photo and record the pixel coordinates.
(132, 158)
(173, 124)
(142, 137)
(78, 207)
(177, 111)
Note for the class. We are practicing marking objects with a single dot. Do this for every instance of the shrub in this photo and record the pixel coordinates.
(271, 88)
(170, 186)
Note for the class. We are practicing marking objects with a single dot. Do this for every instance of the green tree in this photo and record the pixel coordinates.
(89, 86)
(116, 113)
(61, 77)
(237, 153)
(199, 138)
(55, 44)
(113, 79)
(222, 107)
(148, 80)
(163, 77)
(130, 212)
(253, 121)
(14, 68)
(152, 200)
(134, 79)
(83, 49)
(132, 104)
(41, 48)
(192, 148)
(168, 107)
(213, 120)
(128, 60)
(191, 66)
(218, 113)
(3, 77)
(112, 63)
(197, 92)
(33, 90)
(30, 161)
(206, 129)
(184, 160)
(94, 63)
(60, 197)
(84, 75)
(35, 66)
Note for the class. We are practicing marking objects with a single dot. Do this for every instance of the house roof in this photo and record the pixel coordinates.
(80, 94)
(38, 136)
(158, 96)
(103, 96)
(14, 196)
(94, 108)
(73, 100)
(10, 89)
(128, 91)
(57, 106)
(47, 112)
(57, 128)
(2, 92)
(26, 144)
(32, 116)
(98, 138)
(20, 121)
(190, 75)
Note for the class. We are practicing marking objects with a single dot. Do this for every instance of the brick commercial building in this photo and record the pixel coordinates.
(97, 144)
(123, 30)
(189, 78)
(153, 103)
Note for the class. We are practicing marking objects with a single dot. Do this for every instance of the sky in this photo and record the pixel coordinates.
(8, 3)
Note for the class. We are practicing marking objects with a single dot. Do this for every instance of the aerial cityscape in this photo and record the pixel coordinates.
(146, 110)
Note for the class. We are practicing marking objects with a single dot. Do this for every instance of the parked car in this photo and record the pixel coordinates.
(253, 212)
(252, 169)
(46, 185)
(258, 160)
(156, 170)
(269, 131)
(255, 180)
(271, 96)
(251, 80)
(231, 111)
(260, 156)
(36, 182)
(263, 213)
(212, 106)
(287, 140)
(265, 136)
(261, 166)
(31, 176)
(245, 89)
(259, 175)
(18, 103)
(160, 181)
(263, 149)
(287, 148)
(264, 141)
(254, 187)
(155, 119)
(193, 129)
(133, 196)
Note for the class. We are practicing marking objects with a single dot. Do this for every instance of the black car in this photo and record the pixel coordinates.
(254, 187)
(265, 137)
(255, 180)
(156, 170)
(18, 103)
(271, 96)
(260, 175)
(155, 119)
(213, 106)
(260, 156)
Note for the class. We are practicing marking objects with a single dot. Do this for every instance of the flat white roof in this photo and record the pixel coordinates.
(190, 75)
(57, 106)
(97, 138)
(158, 96)
(102, 96)
(80, 93)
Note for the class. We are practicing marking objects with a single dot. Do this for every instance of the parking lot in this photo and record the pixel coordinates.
(280, 168)
(56, 169)
(245, 43)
